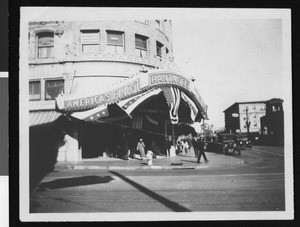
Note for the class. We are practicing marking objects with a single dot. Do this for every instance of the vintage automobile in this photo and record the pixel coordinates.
(243, 141)
(224, 143)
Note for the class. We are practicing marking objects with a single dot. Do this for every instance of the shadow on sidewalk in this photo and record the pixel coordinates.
(168, 203)
(73, 182)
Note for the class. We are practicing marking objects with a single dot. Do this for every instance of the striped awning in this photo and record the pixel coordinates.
(42, 117)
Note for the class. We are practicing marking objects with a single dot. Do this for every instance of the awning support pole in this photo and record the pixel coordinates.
(173, 136)
(166, 135)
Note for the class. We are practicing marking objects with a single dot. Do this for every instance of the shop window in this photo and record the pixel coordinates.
(115, 42)
(34, 90)
(45, 45)
(53, 88)
(141, 45)
(90, 41)
(158, 49)
(157, 24)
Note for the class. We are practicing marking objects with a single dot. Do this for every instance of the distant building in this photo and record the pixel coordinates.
(264, 117)
(238, 114)
(272, 124)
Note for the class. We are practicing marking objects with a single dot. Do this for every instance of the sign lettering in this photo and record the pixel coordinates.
(166, 78)
(107, 97)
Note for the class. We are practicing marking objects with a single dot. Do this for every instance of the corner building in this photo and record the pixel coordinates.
(97, 87)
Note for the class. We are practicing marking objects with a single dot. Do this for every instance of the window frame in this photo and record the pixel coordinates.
(116, 32)
(52, 80)
(116, 45)
(85, 43)
(38, 46)
(145, 39)
(159, 46)
(40, 91)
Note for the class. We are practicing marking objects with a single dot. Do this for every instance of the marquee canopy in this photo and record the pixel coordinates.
(129, 93)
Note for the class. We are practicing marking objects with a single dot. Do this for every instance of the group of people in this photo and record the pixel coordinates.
(198, 144)
(127, 149)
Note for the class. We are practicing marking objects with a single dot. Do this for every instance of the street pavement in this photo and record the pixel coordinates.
(253, 181)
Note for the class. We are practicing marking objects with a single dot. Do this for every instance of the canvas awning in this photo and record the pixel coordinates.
(42, 117)
(102, 112)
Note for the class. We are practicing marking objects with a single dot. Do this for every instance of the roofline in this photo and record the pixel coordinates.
(265, 101)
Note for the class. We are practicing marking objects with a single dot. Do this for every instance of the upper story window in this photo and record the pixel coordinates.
(157, 24)
(53, 88)
(115, 42)
(45, 44)
(253, 107)
(90, 41)
(141, 45)
(34, 90)
(158, 49)
(273, 108)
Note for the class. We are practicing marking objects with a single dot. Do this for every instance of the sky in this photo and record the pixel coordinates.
(233, 60)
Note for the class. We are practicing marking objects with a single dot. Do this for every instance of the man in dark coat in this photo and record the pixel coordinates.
(201, 147)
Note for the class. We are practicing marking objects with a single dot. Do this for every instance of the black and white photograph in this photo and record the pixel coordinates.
(155, 114)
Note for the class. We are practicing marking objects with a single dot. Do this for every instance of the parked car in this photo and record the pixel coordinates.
(243, 141)
(224, 143)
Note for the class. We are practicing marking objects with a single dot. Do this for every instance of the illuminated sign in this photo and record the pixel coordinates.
(105, 98)
(167, 78)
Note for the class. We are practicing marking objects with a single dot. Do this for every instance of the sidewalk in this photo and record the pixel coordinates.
(181, 161)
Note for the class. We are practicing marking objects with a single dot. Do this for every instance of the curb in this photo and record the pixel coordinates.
(126, 167)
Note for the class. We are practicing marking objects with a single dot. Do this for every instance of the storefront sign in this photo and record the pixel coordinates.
(168, 78)
(105, 98)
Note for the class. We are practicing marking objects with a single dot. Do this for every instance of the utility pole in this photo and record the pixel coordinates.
(248, 123)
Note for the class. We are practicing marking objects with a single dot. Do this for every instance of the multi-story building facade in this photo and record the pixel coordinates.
(81, 74)
(262, 117)
(238, 114)
(68, 57)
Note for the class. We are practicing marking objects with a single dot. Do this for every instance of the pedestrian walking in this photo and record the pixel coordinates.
(185, 146)
(141, 148)
(202, 147)
(195, 146)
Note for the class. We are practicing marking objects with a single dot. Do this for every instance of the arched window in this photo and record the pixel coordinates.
(45, 44)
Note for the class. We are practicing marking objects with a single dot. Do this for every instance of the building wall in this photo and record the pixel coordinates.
(273, 123)
(255, 112)
(85, 71)
(232, 124)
